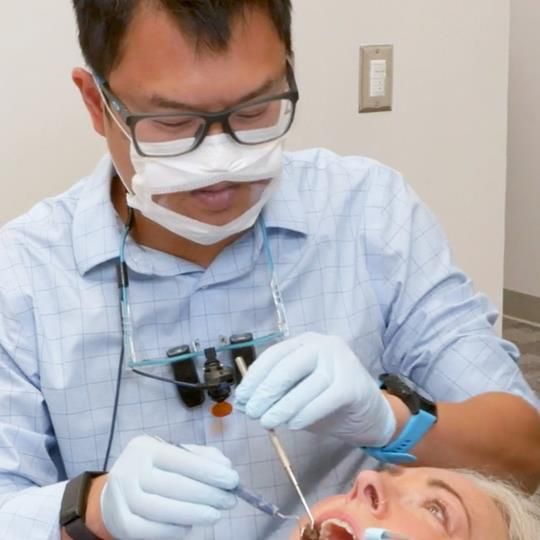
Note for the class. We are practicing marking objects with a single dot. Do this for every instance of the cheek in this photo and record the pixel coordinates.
(119, 149)
(416, 524)
(327, 505)
(177, 202)
(249, 194)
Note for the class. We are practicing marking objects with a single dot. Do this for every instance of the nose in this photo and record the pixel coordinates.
(369, 489)
(215, 129)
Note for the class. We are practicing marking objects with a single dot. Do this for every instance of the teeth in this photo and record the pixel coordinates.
(329, 530)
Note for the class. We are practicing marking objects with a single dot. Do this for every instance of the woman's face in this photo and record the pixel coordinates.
(418, 503)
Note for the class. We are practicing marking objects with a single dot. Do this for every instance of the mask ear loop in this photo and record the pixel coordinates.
(120, 127)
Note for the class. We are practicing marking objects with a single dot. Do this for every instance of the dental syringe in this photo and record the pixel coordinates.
(242, 492)
(255, 500)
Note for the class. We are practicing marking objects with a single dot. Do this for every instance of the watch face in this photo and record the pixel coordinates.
(411, 394)
(418, 389)
(405, 385)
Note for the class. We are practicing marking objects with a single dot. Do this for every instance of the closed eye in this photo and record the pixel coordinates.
(175, 124)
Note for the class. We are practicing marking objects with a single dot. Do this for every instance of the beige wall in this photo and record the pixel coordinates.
(522, 268)
(46, 139)
(447, 132)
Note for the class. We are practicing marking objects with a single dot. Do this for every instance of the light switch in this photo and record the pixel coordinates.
(377, 75)
(376, 84)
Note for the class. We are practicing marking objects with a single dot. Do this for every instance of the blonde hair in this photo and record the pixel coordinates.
(520, 510)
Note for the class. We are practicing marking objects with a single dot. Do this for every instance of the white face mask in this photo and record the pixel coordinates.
(218, 159)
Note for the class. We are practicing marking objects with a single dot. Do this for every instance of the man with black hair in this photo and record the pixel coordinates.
(198, 226)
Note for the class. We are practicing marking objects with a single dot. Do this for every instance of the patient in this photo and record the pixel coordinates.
(429, 504)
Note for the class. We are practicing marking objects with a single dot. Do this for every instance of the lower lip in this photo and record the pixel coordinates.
(216, 200)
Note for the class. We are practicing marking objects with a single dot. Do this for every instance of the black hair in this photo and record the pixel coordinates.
(103, 24)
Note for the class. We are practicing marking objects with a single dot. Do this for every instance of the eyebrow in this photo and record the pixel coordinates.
(164, 102)
(437, 483)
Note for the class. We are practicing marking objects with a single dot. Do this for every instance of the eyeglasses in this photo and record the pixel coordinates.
(217, 378)
(173, 134)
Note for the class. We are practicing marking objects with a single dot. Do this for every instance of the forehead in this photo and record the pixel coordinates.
(156, 49)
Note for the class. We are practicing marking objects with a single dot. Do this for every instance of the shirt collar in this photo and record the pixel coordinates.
(97, 232)
(97, 228)
(285, 210)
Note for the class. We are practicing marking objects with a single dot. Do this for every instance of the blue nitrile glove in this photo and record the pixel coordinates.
(159, 491)
(316, 382)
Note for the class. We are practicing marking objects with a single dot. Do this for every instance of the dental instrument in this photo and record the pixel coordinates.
(252, 498)
(255, 500)
(281, 452)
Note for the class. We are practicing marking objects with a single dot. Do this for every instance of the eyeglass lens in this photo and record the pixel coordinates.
(251, 124)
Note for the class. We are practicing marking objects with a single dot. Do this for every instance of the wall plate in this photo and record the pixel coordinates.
(376, 78)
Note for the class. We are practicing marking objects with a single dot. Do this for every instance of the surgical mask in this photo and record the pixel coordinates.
(218, 159)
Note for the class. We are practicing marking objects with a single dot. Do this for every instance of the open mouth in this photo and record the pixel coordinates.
(336, 529)
(340, 528)
(330, 529)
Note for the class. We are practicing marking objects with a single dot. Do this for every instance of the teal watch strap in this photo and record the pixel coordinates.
(398, 451)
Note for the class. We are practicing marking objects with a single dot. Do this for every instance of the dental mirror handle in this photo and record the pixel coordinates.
(288, 469)
(280, 452)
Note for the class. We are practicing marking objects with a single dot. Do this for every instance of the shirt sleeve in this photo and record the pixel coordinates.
(438, 330)
(31, 473)
(32, 513)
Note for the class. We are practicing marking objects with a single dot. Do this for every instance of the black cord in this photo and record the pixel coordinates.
(122, 283)
(180, 384)
(120, 369)
(115, 407)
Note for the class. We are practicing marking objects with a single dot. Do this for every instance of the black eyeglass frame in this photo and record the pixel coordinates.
(222, 117)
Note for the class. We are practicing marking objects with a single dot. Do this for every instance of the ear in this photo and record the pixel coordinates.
(91, 97)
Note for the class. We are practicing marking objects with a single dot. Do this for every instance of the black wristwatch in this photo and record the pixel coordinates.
(423, 415)
(415, 398)
(73, 508)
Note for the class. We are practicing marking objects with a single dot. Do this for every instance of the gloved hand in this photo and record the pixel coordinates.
(316, 382)
(159, 491)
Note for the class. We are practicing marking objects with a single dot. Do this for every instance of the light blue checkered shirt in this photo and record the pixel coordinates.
(357, 254)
